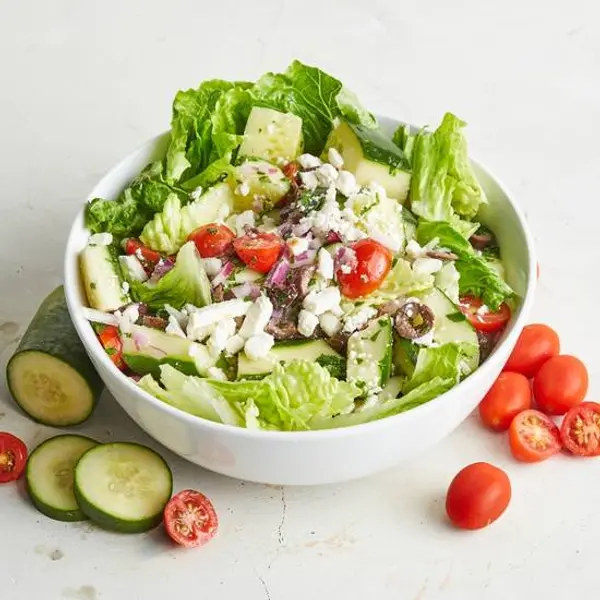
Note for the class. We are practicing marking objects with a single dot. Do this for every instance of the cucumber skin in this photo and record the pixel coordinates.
(52, 332)
(144, 365)
(66, 516)
(109, 522)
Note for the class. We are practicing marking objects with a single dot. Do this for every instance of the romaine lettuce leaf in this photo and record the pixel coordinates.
(437, 361)
(443, 181)
(185, 283)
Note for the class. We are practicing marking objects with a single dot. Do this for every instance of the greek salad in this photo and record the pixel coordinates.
(289, 266)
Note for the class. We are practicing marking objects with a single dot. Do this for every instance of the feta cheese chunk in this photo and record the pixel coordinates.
(325, 264)
(427, 266)
(326, 174)
(257, 317)
(346, 184)
(307, 323)
(196, 193)
(309, 180)
(258, 346)
(216, 373)
(308, 161)
(217, 341)
(330, 324)
(243, 189)
(128, 317)
(425, 340)
(297, 245)
(174, 328)
(413, 249)
(100, 239)
(212, 265)
(133, 267)
(243, 219)
(213, 313)
(335, 158)
(320, 302)
(234, 344)
(358, 319)
(393, 242)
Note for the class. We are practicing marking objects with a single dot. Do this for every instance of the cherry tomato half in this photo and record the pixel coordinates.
(477, 496)
(560, 384)
(111, 342)
(536, 344)
(533, 436)
(580, 429)
(510, 395)
(212, 240)
(259, 251)
(366, 274)
(13, 457)
(149, 258)
(190, 519)
(482, 318)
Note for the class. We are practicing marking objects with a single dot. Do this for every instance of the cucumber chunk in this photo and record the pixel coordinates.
(123, 486)
(50, 375)
(49, 476)
(102, 278)
(261, 180)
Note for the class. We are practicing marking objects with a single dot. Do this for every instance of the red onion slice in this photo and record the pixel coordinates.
(223, 274)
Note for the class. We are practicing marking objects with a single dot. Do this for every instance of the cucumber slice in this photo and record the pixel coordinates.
(123, 486)
(405, 356)
(50, 375)
(263, 180)
(102, 278)
(49, 476)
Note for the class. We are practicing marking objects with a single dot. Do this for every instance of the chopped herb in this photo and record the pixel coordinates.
(111, 351)
(93, 285)
(360, 360)
(394, 261)
(374, 337)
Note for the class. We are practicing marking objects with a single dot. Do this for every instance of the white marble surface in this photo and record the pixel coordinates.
(83, 83)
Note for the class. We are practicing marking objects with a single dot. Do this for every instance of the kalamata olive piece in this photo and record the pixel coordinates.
(442, 255)
(414, 320)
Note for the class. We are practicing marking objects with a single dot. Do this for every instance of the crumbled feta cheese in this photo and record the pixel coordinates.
(258, 346)
(216, 373)
(174, 328)
(482, 310)
(309, 180)
(125, 287)
(393, 242)
(223, 330)
(100, 239)
(198, 333)
(213, 313)
(234, 344)
(320, 302)
(346, 183)
(330, 324)
(196, 193)
(202, 358)
(335, 158)
(243, 189)
(243, 219)
(413, 249)
(257, 317)
(212, 266)
(325, 264)
(308, 161)
(133, 267)
(427, 266)
(128, 317)
(346, 269)
(326, 174)
(297, 245)
(307, 323)
(425, 340)
(377, 189)
(356, 320)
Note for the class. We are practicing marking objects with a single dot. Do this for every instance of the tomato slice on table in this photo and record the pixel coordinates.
(366, 272)
(149, 258)
(111, 342)
(510, 395)
(212, 240)
(536, 344)
(580, 429)
(533, 436)
(483, 318)
(477, 496)
(13, 457)
(190, 519)
(259, 251)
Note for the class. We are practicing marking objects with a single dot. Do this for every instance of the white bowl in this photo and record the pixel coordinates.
(311, 457)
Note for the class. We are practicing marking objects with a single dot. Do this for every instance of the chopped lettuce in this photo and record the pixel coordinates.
(443, 182)
(437, 361)
(477, 276)
(447, 279)
(185, 283)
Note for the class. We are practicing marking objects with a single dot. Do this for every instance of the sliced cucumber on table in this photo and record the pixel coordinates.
(50, 375)
(49, 476)
(123, 486)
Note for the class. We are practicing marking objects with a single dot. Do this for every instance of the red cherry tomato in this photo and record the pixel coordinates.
(111, 341)
(290, 170)
(190, 519)
(533, 436)
(212, 240)
(536, 344)
(259, 251)
(477, 496)
(13, 457)
(580, 429)
(149, 258)
(365, 274)
(560, 384)
(484, 319)
(510, 395)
